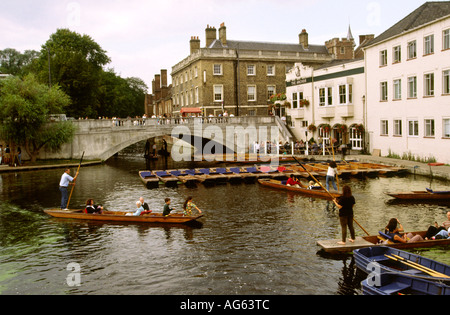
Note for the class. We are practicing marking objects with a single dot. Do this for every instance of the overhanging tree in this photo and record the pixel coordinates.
(25, 106)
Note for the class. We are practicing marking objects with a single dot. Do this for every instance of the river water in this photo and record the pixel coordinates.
(252, 241)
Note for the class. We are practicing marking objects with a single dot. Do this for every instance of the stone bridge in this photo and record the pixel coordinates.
(101, 139)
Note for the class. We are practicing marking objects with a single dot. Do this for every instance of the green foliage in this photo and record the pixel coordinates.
(25, 106)
(16, 63)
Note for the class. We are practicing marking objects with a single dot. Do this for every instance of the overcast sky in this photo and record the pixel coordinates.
(142, 37)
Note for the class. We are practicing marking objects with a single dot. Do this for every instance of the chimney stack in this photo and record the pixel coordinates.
(303, 39)
(163, 78)
(195, 44)
(211, 35)
(223, 34)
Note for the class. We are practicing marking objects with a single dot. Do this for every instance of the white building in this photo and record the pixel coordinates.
(328, 102)
(408, 85)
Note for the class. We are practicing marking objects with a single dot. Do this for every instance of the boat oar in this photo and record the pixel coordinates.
(410, 264)
(438, 274)
(78, 171)
(332, 197)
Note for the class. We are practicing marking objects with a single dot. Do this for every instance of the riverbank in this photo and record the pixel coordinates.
(27, 168)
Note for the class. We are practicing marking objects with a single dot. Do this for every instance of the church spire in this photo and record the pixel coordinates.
(350, 35)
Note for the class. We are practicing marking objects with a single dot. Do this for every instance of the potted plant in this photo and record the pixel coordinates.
(312, 128)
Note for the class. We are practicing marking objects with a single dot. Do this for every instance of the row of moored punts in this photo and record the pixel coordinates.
(152, 179)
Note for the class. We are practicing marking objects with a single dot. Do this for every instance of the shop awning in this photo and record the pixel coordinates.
(194, 110)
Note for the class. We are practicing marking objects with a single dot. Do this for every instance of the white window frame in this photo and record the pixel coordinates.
(412, 87)
(269, 93)
(428, 45)
(384, 91)
(356, 139)
(271, 73)
(412, 49)
(294, 100)
(197, 98)
(249, 99)
(430, 128)
(217, 69)
(446, 82)
(429, 84)
(398, 127)
(397, 54)
(251, 70)
(397, 89)
(413, 128)
(446, 39)
(384, 127)
(446, 128)
(383, 58)
(216, 92)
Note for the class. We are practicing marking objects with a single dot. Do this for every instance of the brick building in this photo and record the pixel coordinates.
(237, 76)
(160, 102)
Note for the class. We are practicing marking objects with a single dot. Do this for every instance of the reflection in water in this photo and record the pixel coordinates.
(252, 240)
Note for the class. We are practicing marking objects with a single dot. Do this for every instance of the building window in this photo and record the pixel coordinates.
(252, 112)
(429, 84)
(300, 98)
(398, 128)
(342, 50)
(251, 93)
(294, 100)
(217, 69)
(397, 54)
(197, 99)
(446, 82)
(342, 94)
(384, 128)
(412, 50)
(383, 58)
(251, 70)
(271, 90)
(322, 97)
(330, 96)
(429, 127)
(413, 128)
(446, 37)
(196, 72)
(383, 91)
(397, 89)
(218, 93)
(429, 45)
(270, 70)
(446, 127)
(412, 87)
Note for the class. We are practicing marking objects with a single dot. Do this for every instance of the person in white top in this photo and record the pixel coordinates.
(66, 179)
(331, 175)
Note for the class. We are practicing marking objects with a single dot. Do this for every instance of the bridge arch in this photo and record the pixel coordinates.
(102, 139)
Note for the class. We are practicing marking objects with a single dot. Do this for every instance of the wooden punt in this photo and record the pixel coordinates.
(332, 246)
(392, 260)
(247, 177)
(232, 177)
(421, 195)
(167, 178)
(122, 217)
(313, 193)
(212, 176)
(184, 177)
(150, 180)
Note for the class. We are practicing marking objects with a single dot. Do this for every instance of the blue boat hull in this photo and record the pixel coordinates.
(365, 257)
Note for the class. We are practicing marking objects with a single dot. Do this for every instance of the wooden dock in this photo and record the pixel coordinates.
(332, 246)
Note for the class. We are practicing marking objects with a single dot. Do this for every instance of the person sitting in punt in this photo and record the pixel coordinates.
(91, 208)
(139, 210)
(292, 181)
(188, 206)
(313, 185)
(145, 206)
(394, 228)
(167, 208)
(433, 230)
(442, 235)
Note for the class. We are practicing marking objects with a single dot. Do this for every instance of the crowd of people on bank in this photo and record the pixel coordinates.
(8, 158)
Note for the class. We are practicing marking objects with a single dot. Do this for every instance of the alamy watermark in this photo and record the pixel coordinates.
(237, 140)
(73, 279)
